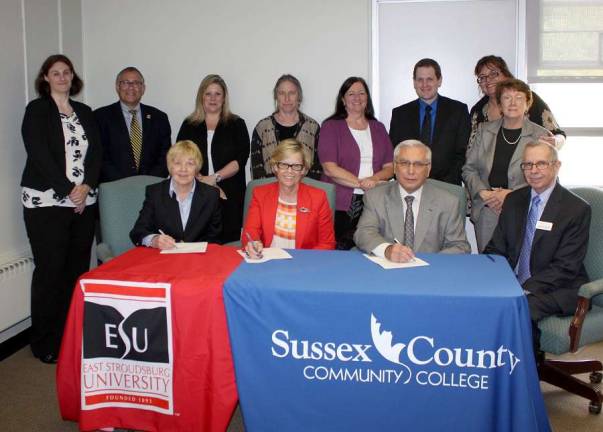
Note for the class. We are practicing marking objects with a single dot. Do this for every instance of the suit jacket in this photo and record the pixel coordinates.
(314, 218)
(557, 257)
(450, 135)
(230, 142)
(45, 146)
(160, 211)
(118, 160)
(481, 155)
(439, 227)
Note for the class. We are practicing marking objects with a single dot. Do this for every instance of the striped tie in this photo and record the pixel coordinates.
(135, 138)
(409, 223)
(523, 263)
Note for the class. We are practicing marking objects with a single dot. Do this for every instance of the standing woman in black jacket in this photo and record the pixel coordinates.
(59, 197)
(223, 140)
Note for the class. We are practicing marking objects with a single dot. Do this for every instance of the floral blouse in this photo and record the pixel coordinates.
(76, 146)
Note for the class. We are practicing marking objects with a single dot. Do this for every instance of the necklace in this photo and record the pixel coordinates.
(502, 130)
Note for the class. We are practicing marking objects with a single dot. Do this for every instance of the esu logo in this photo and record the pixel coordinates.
(140, 336)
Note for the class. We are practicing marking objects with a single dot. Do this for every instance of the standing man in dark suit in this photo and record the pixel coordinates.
(543, 232)
(135, 137)
(440, 122)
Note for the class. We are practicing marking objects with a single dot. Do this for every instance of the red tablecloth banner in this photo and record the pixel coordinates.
(146, 344)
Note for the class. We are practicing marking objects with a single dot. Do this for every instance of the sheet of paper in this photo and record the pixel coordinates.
(184, 248)
(267, 255)
(386, 264)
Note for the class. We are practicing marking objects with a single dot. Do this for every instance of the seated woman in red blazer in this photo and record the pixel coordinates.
(288, 214)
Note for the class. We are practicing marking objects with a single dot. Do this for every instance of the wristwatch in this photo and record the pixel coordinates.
(218, 177)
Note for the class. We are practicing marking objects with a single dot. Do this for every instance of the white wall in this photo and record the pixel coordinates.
(456, 33)
(13, 241)
(30, 30)
(249, 43)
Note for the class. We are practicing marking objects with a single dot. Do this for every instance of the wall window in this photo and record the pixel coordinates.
(565, 67)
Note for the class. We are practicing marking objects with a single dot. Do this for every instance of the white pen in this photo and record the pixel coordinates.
(162, 233)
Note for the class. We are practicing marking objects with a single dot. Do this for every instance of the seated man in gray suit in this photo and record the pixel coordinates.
(408, 216)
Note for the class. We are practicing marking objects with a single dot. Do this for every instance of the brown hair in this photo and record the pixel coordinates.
(493, 61)
(514, 84)
(427, 62)
(288, 78)
(42, 86)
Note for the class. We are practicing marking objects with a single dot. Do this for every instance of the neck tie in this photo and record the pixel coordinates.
(135, 138)
(426, 129)
(523, 264)
(409, 223)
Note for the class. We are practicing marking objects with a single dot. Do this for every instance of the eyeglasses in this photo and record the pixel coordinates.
(126, 84)
(284, 166)
(540, 165)
(415, 164)
(491, 76)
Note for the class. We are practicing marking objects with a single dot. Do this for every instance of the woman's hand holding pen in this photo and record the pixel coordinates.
(253, 248)
(163, 241)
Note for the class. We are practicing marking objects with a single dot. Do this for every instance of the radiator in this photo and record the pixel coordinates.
(15, 284)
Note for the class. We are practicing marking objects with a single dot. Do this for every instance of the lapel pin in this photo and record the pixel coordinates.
(148, 116)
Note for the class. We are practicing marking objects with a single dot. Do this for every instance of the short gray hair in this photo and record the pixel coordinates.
(410, 144)
(128, 69)
(552, 149)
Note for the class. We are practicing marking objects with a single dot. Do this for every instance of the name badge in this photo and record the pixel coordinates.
(547, 226)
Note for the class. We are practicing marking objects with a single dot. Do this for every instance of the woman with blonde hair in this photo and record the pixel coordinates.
(288, 213)
(223, 140)
(180, 208)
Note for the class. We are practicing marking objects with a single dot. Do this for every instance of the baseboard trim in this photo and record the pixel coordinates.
(14, 344)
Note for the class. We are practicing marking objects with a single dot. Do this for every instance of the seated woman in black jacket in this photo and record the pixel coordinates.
(180, 208)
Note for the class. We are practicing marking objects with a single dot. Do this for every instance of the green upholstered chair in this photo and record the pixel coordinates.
(119, 203)
(568, 333)
(327, 187)
(456, 190)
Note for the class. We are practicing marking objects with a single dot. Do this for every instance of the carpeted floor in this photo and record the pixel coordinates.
(28, 400)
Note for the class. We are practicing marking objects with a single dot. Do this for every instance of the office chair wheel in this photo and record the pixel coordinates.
(595, 377)
(594, 407)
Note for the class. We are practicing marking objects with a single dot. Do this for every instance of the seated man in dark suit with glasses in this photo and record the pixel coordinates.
(409, 215)
(543, 232)
(135, 137)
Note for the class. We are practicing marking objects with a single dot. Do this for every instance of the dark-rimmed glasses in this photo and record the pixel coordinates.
(491, 76)
(283, 166)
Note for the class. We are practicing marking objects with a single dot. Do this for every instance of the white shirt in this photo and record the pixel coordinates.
(125, 110)
(210, 163)
(365, 144)
(380, 250)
